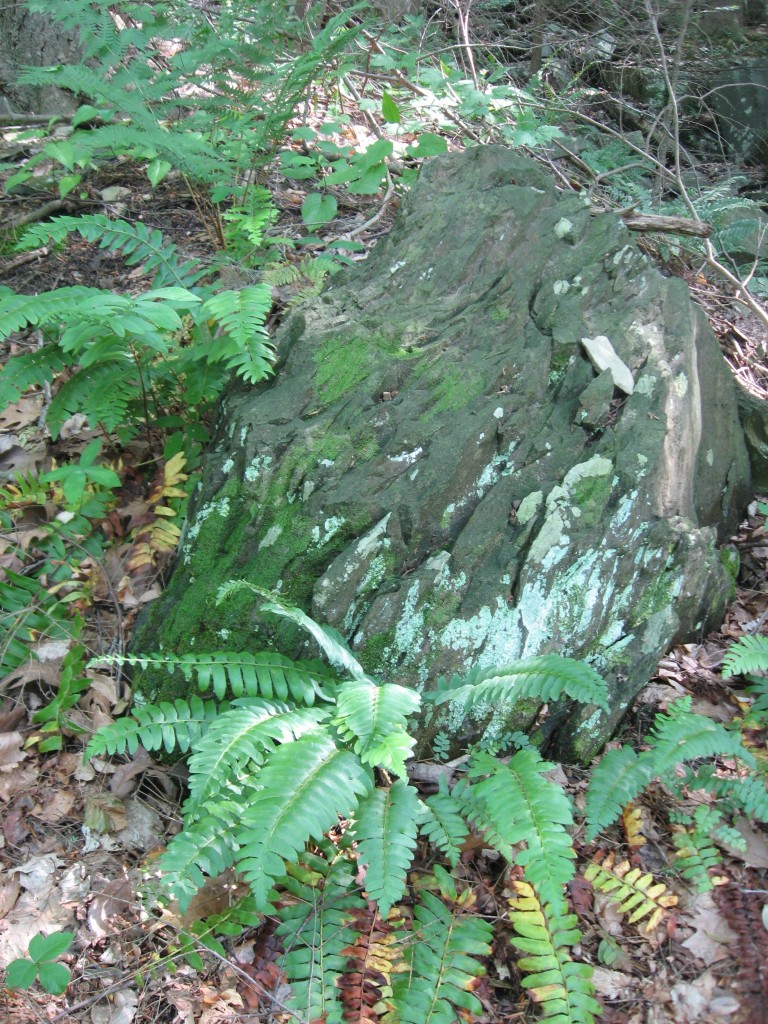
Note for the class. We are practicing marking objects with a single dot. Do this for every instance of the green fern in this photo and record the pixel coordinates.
(137, 242)
(303, 788)
(561, 987)
(516, 804)
(545, 678)
(328, 639)
(373, 721)
(385, 828)
(242, 674)
(236, 743)
(316, 926)
(163, 726)
(27, 612)
(442, 822)
(676, 737)
(247, 348)
(697, 854)
(443, 957)
(748, 656)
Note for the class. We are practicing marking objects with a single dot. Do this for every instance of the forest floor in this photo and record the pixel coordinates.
(78, 841)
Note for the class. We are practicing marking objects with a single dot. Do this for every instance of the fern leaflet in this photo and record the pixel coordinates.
(443, 965)
(635, 893)
(303, 787)
(372, 719)
(386, 833)
(316, 925)
(156, 726)
(545, 678)
(242, 315)
(516, 804)
(239, 739)
(561, 987)
(442, 822)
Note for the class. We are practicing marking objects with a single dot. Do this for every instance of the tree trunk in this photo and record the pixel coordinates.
(32, 39)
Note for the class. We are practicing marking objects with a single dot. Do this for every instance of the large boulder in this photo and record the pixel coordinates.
(445, 470)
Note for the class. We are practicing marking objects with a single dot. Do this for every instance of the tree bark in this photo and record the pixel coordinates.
(28, 39)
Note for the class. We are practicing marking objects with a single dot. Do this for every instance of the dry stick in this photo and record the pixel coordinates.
(26, 257)
(20, 120)
(406, 83)
(742, 291)
(42, 212)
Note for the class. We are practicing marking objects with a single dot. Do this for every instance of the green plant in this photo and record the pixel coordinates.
(287, 748)
(41, 965)
(52, 719)
(133, 356)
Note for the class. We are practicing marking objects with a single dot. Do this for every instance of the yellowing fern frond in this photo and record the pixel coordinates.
(635, 893)
(561, 987)
(633, 819)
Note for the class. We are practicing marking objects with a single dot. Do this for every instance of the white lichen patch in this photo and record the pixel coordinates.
(598, 465)
(561, 287)
(331, 527)
(271, 536)
(370, 542)
(529, 506)
(710, 457)
(258, 465)
(408, 458)
(397, 266)
(227, 466)
(681, 385)
(563, 228)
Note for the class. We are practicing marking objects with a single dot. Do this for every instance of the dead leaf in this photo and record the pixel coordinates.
(691, 999)
(11, 752)
(712, 936)
(58, 807)
(613, 984)
(119, 1008)
(756, 853)
(114, 900)
(9, 893)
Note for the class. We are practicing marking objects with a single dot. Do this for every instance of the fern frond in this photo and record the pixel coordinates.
(677, 736)
(517, 804)
(330, 642)
(317, 926)
(240, 738)
(28, 611)
(240, 674)
(102, 393)
(545, 678)
(442, 822)
(242, 315)
(747, 656)
(199, 850)
(304, 786)
(372, 719)
(681, 735)
(442, 962)
(137, 242)
(635, 893)
(155, 726)
(561, 987)
(616, 781)
(385, 829)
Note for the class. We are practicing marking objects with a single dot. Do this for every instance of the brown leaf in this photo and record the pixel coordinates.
(11, 752)
(712, 936)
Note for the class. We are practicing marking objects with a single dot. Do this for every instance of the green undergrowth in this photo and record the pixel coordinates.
(279, 751)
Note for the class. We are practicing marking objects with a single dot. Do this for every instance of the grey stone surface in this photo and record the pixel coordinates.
(419, 475)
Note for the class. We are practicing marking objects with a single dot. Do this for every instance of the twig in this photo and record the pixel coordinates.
(42, 212)
(26, 257)
(19, 120)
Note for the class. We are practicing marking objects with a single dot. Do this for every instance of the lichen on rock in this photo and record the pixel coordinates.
(438, 470)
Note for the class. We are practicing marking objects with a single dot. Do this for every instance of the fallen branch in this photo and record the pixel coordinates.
(54, 206)
(21, 120)
(26, 257)
(667, 224)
